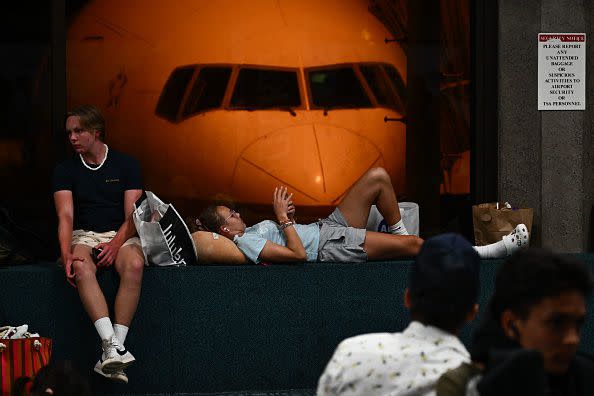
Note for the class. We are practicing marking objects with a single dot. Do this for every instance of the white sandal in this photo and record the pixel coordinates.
(517, 239)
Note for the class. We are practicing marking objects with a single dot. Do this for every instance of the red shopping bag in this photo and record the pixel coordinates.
(22, 357)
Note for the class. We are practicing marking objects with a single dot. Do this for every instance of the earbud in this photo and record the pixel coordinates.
(226, 229)
(513, 330)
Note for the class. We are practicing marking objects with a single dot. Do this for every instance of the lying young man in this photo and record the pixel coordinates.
(340, 237)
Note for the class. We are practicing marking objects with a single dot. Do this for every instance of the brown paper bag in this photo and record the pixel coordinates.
(491, 223)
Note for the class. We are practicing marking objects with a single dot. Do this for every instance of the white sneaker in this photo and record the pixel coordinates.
(517, 239)
(117, 376)
(115, 357)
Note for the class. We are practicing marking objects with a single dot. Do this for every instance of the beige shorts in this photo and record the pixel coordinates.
(91, 238)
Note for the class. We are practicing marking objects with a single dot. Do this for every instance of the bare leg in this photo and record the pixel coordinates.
(386, 246)
(86, 282)
(129, 264)
(374, 187)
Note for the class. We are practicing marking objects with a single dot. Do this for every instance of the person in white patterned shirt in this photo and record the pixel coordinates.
(441, 296)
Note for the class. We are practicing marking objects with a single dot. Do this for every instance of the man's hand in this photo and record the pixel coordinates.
(280, 203)
(291, 211)
(109, 252)
(68, 260)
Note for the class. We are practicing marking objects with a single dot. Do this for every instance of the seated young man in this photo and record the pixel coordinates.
(340, 237)
(442, 294)
(527, 343)
(94, 194)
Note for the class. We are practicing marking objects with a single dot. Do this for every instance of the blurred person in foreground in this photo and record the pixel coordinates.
(55, 379)
(441, 296)
(527, 343)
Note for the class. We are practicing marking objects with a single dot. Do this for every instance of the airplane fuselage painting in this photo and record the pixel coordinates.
(235, 97)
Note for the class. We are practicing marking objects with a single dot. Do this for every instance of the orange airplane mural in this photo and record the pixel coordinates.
(238, 96)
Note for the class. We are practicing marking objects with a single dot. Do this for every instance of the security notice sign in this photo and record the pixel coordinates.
(561, 71)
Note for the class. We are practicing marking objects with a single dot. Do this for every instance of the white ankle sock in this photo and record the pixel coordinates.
(398, 228)
(121, 332)
(493, 250)
(104, 328)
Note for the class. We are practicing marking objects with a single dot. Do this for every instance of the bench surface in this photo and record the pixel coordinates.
(213, 329)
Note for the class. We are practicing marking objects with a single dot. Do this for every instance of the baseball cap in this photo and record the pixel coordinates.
(447, 266)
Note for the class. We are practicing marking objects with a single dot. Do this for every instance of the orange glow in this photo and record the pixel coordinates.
(121, 55)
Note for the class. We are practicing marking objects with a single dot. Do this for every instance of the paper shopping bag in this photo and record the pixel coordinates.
(492, 221)
(22, 357)
(164, 236)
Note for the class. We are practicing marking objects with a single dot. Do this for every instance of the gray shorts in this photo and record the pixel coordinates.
(339, 242)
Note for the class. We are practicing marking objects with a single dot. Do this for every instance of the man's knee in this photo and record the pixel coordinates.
(132, 267)
(83, 270)
(379, 175)
(415, 245)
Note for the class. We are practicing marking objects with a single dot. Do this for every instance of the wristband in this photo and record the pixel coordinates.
(286, 224)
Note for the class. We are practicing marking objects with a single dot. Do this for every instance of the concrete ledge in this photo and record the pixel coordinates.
(211, 329)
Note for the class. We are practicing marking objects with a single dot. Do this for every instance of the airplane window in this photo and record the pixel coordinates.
(336, 87)
(381, 87)
(261, 89)
(173, 93)
(397, 81)
(208, 90)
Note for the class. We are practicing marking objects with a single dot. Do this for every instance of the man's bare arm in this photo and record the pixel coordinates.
(274, 253)
(126, 231)
(65, 210)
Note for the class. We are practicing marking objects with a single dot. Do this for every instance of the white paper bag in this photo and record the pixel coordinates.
(409, 211)
(164, 236)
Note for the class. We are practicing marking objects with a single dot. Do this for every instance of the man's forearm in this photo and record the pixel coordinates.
(65, 235)
(294, 242)
(127, 230)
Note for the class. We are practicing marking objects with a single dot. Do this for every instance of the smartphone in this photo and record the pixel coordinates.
(95, 254)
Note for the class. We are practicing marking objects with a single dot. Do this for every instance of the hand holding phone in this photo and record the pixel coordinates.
(95, 254)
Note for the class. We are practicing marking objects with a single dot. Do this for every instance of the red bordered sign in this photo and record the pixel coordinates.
(562, 71)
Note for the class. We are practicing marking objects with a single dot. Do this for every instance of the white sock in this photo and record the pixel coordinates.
(121, 332)
(104, 328)
(398, 228)
(493, 250)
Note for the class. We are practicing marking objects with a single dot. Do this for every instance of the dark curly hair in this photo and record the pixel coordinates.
(531, 275)
(60, 377)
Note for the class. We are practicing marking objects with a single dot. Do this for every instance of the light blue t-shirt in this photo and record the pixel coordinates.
(254, 238)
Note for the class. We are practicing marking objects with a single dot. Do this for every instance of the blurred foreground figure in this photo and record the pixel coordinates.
(56, 379)
(441, 296)
(527, 344)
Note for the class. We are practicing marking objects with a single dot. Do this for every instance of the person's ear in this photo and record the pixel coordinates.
(407, 303)
(472, 313)
(509, 324)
